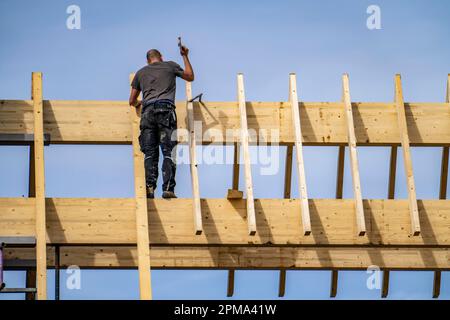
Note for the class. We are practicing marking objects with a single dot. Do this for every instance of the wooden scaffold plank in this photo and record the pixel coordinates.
(143, 242)
(303, 194)
(403, 129)
(251, 218)
(249, 257)
(41, 236)
(197, 211)
(83, 121)
(359, 209)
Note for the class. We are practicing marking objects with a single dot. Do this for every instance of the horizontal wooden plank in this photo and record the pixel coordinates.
(111, 221)
(323, 123)
(343, 258)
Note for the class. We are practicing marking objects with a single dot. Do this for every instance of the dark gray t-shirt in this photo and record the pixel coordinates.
(157, 81)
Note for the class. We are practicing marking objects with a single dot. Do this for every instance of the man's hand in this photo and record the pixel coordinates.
(184, 51)
(137, 104)
(133, 101)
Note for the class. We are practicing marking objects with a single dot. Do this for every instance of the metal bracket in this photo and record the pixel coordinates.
(199, 97)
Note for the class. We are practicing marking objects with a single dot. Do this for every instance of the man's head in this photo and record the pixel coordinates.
(153, 55)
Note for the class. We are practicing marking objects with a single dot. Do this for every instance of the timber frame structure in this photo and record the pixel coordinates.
(234, 232)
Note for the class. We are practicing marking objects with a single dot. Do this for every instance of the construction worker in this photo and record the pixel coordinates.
(157, 83)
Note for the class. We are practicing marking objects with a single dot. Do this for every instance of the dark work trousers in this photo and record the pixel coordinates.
(158, 123)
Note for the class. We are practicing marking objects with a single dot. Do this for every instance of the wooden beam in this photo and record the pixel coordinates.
(234, 192)
(323, 123)
(359, 209)
(230, 285)
(444, 174)
(196, 207)
(392, 172)
(303, 194)
(141, 216)
(442, 194)
(236, 158)
(436, 284)
(385, 284)
(112, 221)
(250, 257)
(334, 283)
(31, 173)
(251, 218)
(403, 129)
(445, 155)
(339, 195)
(30, 282)
(40, 222)
(340, 173)
(282, 283)
(288, 172)
(391, 195)
(30, 274)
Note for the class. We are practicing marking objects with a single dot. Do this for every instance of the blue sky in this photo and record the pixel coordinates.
(319, 40)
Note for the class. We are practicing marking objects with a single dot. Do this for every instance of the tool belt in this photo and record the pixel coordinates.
(158, 106)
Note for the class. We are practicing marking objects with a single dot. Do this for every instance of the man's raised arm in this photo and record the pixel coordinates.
(188, 73)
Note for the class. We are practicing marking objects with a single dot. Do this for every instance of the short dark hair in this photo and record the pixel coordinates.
(153, 53)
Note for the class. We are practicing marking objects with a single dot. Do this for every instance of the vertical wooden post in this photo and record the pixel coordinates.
(143, 242)
(251, 219)
(282, 283)
(437, 284)
(359, 209)
(385, 284)
(391, 195)
(334, 283)
(340, 173)
(236, 167)
(196, 205)
(230, 285)
(287, 195)
(392, 172)
(41, 235)
(303, 194)
(288, 172)
(234, 192)
(403, 129)
(30, 273)
(339, 194)
(442, 194)
(444, 174)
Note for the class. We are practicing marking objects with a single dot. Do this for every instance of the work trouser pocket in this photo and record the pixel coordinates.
(167, 119)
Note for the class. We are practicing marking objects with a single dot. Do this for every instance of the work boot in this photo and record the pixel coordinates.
(150, 192)
(168, 194)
